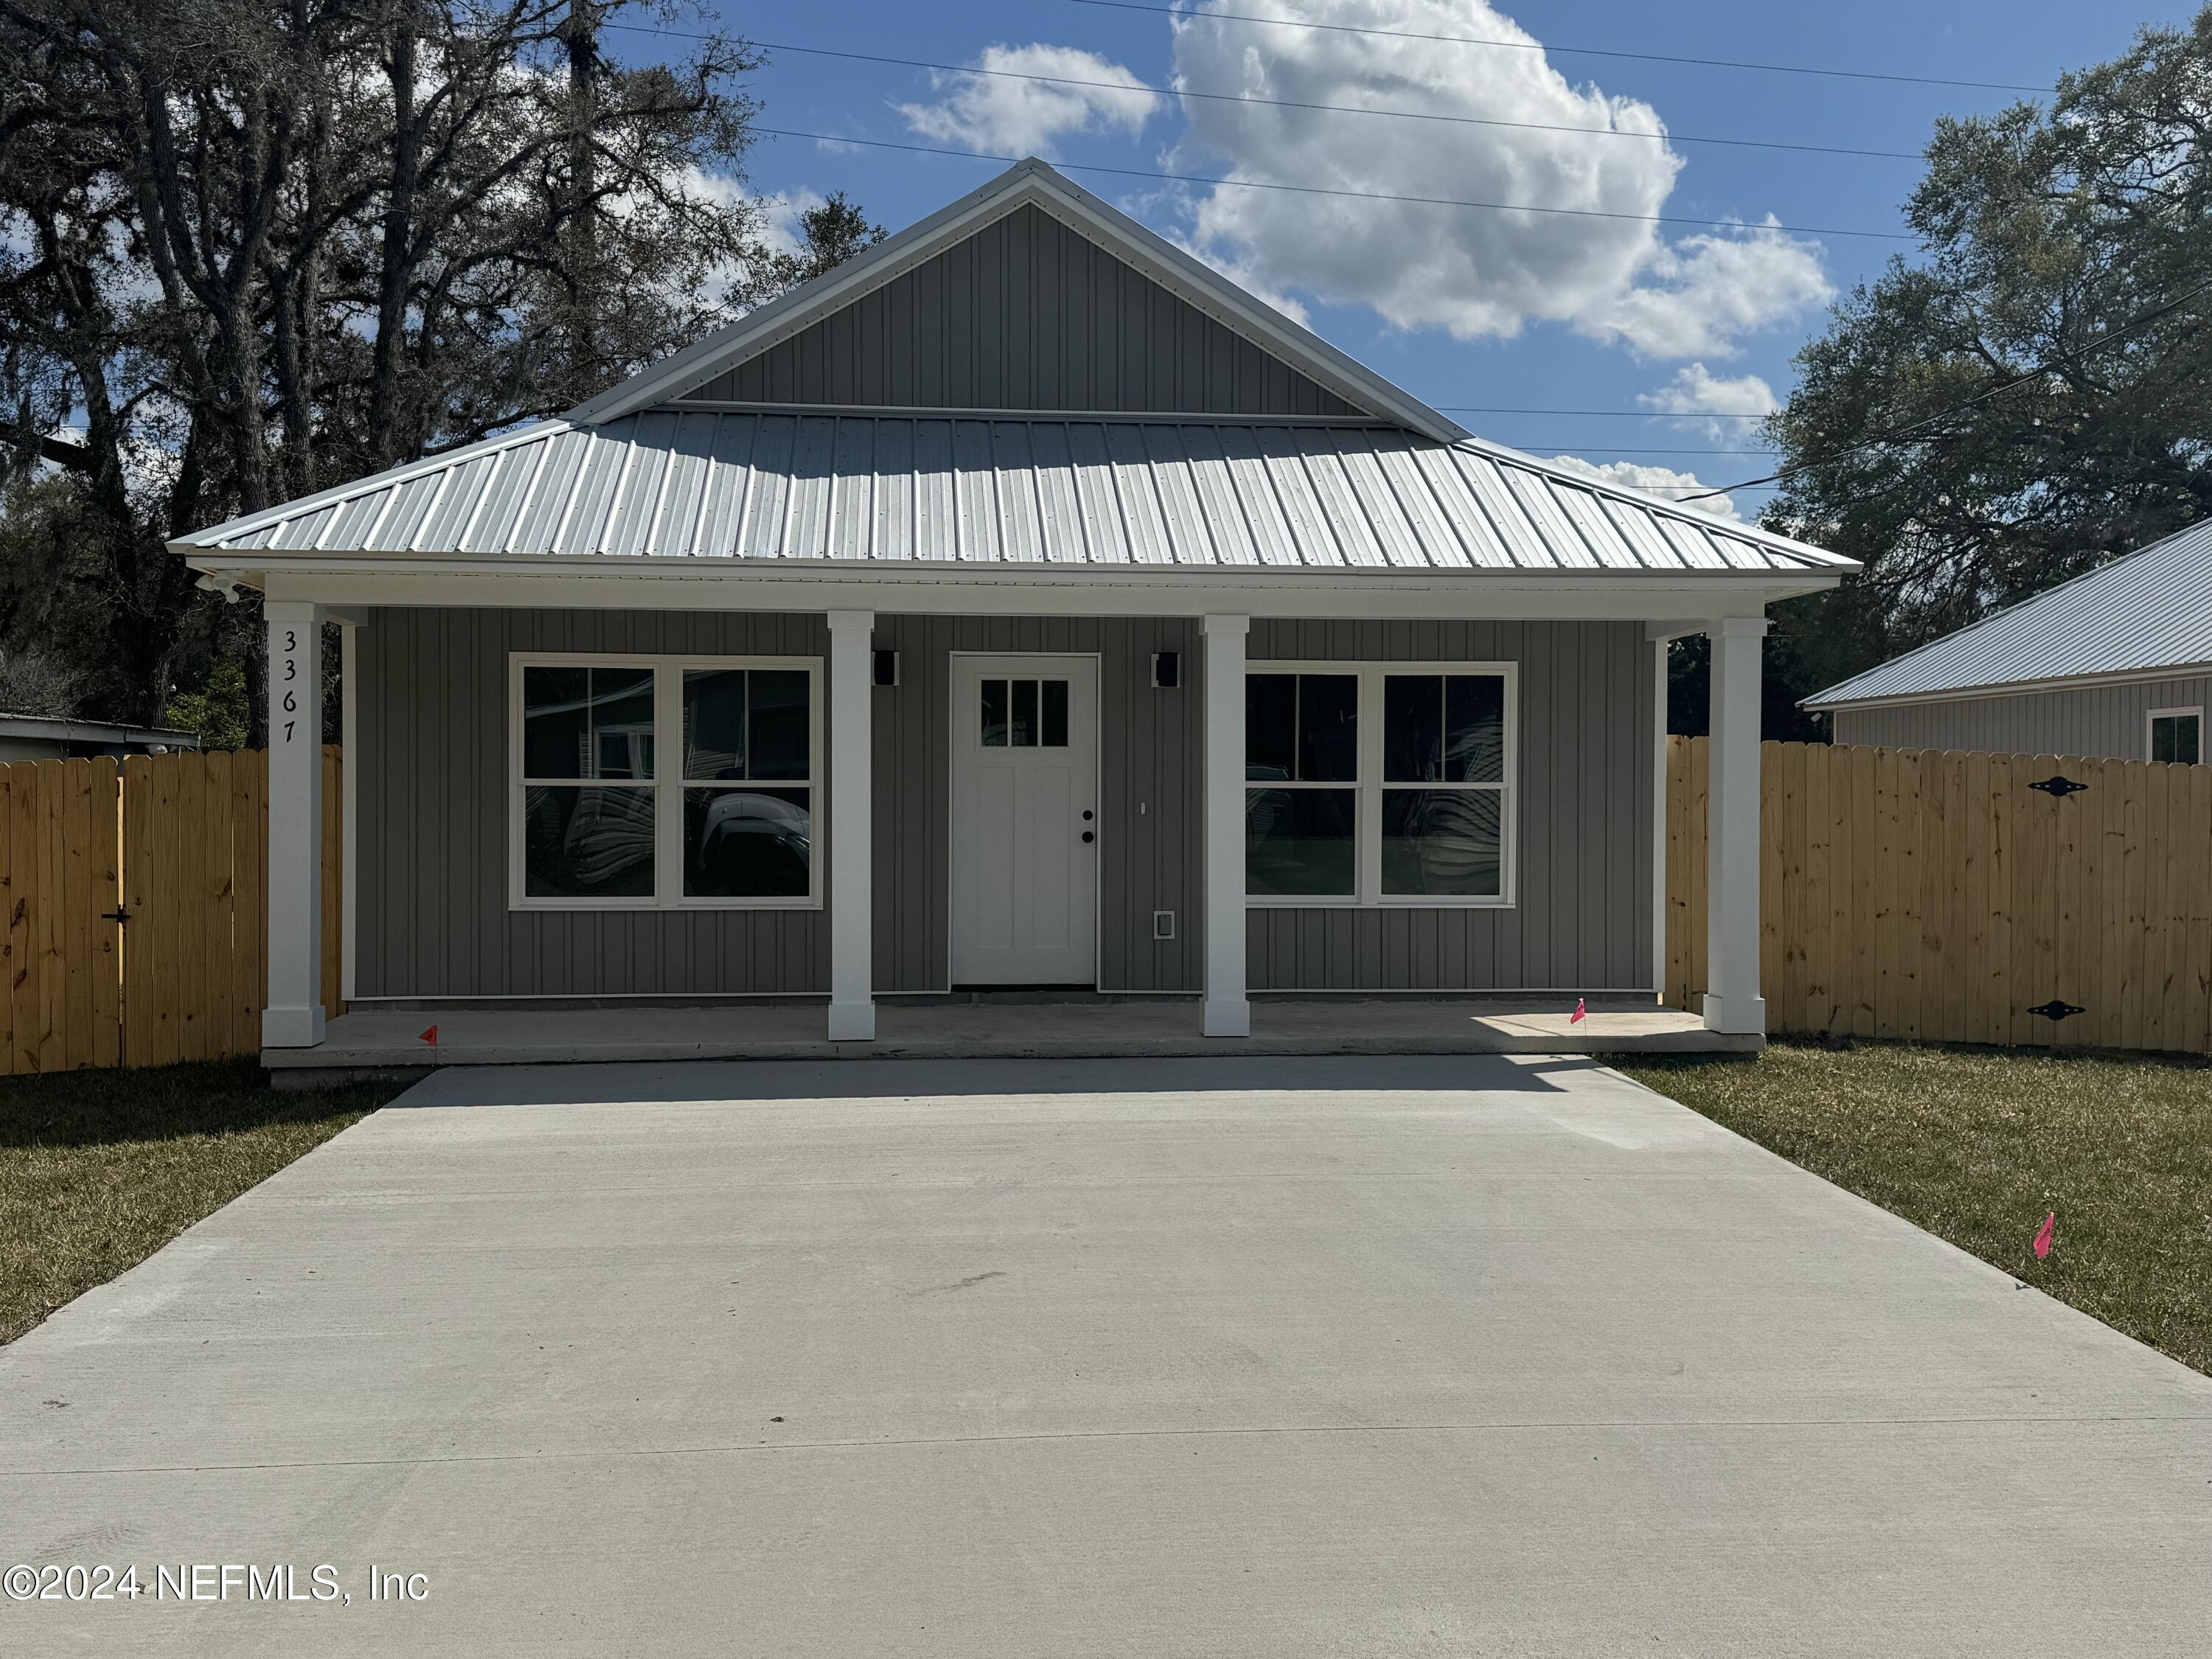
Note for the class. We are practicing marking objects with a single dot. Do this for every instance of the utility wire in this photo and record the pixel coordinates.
(1624, 414)
(1136, 87)
(1902, 434)
(1183, 16)
(1323, 190)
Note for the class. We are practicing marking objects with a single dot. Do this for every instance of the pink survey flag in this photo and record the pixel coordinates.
(2042, 1235)
(430, 1037)
(1581, 1011)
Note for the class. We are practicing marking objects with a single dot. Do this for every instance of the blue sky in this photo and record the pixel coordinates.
(1461, 306)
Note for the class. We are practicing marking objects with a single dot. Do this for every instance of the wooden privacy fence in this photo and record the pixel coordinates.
(134, 897)
(1949, 896)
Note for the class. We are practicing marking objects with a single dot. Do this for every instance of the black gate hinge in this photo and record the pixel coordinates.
(2057, 788)
(2055, 1009)
(121, 914)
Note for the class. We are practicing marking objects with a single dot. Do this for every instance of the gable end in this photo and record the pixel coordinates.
(1024, 314)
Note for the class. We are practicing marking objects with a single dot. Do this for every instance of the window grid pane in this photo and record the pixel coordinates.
(995, 713)
(1054, 716)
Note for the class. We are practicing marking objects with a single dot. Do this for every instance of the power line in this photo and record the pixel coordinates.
(1899, 434)
(1323, 190)
(1624, 414)
(1291, 103)
(1571, 52)
(1621, 449)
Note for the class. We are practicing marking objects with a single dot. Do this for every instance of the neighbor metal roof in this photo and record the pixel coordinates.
(713, 484)
(2148, 610)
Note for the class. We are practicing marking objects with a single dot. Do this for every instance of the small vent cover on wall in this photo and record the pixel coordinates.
(1162, 924)
(1167, 670)
(886, 668)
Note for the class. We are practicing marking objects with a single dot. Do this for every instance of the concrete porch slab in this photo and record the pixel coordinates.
(385, 1039)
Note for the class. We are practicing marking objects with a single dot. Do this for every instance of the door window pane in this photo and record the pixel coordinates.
(2174, 738)
(587, 843)
(1298, 842)
(995, 713)
(1022, 725)
(714, 722)
(1442, 842)
(1055, 715)
(1271, 727)
(777, 723)
(747, 843)
(587, 722)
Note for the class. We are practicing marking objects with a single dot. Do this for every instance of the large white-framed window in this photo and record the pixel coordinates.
(2175, 734)
(663, 782)
(1380, 784)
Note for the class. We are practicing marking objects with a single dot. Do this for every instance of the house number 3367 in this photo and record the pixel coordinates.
(290, 672)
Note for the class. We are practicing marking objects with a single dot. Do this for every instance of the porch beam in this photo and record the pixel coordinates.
(851, 807)
(1733, 1002)
(1227, 1013)
(293, 1017)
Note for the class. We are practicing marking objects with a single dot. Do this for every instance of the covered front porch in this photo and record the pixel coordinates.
(390, 1039)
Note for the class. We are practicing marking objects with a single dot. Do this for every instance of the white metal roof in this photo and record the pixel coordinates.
(2149, 611)
(891, 489)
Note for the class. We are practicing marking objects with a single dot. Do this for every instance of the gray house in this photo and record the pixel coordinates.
(1019, 604)
(2116, 664)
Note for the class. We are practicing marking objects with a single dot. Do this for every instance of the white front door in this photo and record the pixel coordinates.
(1024, 820)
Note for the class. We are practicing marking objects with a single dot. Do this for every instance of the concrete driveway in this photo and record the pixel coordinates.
(1418, 1356)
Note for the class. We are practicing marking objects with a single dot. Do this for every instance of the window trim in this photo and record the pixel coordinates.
(667, 825)
(2151, 718)
(1368, 786)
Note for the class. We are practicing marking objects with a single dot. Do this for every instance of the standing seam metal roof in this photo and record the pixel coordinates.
(703, 483)
(2149, 609)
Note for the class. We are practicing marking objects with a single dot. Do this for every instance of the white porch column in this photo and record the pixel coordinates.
(852, 864)
(1733, 1002)
(294, 1015)
(1227, 1013)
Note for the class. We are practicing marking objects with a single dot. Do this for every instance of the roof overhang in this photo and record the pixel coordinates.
(1822, 703)
(1031, 183)
(567, 580)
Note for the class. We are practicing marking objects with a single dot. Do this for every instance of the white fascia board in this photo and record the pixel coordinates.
(1822, 703)
(684, 585)
(1028, 183)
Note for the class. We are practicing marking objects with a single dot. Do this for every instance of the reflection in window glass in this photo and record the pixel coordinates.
(1022, 725)
(747, 843)
(1301, 729)
(2175, 738)
(586, 722)
(995, 713)
(1271, 727)
(777, 724)
(1442, 843)
(714, 722)
(587, 843)
(1298, 842)
(1443, 728)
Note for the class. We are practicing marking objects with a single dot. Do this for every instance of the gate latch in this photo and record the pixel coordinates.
(121, 914)
(2057, 788)
(2055, 1009)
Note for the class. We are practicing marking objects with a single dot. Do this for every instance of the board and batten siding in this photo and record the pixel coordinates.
(2108, 722)
(432, 740)
(1583, 807)
(1027, 314)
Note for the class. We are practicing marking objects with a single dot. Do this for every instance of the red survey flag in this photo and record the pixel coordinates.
(1581, 1011)
(2042, 1235)
(430, 1037)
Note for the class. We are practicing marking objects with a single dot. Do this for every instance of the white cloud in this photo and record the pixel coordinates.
(1022, 117)
(1659, 480)
(1471, 272)
(1718, 408)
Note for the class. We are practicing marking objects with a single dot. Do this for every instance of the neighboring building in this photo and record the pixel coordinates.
(34, 738)
(1019, 603)
(2115, 664)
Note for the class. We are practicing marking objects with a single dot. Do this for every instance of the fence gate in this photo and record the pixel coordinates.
(134, 904)
(1954, 897)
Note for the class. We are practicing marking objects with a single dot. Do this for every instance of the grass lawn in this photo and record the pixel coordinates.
(1977, 1145)
(99, 1170)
